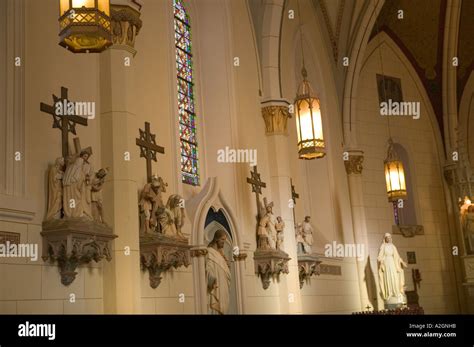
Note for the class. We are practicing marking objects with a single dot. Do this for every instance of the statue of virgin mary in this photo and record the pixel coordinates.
(391, 276)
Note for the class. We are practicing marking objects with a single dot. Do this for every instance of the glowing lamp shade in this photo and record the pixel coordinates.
(85, 25)
(309, 125)
(394, 176)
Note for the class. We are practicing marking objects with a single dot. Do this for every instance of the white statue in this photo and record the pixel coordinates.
(77, 186)
(391, 276)
(96, 195)
(280, 227)
(307, 231)
(150, 202)
(300, 243)
(171, 217)
(266, 233)
(55, 187)
(218, 275)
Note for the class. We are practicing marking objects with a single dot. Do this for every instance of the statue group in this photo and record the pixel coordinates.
(270, 228)
(156, 217)
(74, 189)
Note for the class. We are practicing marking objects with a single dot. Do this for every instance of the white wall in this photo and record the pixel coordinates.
(422, 141)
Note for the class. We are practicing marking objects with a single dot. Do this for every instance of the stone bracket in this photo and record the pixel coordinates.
(408, 230)
(269, 264)
(308, 265)
(74, 242)
(159, 253)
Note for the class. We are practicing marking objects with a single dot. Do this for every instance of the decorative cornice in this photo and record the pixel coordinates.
(276, 119)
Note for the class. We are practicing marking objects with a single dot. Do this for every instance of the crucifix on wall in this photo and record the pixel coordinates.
(294, 196)
(148, 148)
(66, 121)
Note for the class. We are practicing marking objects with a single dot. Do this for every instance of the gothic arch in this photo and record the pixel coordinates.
(383, 39)
(356, 58)
(197, 208)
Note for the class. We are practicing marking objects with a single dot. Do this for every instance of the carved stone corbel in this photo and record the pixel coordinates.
(73, 242)
(159, 254)
(126, 25)
(276, 119)
(353, 162)
(240, 257)
(408, 230)
(198, 252)
(308, 265)
(269, 264)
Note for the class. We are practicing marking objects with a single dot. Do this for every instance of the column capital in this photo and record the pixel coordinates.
(275, 114)
(353, 160)
(126, 25)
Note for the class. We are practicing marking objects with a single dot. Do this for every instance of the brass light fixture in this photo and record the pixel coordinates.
(309, 123)
(394, 175)
(85, 25)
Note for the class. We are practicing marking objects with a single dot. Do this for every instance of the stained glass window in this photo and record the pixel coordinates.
(186, 115)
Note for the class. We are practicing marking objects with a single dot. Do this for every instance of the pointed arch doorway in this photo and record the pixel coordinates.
(209, 212)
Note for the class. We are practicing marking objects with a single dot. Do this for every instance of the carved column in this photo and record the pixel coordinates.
(353, 164)
(275, 115)
(117, 130)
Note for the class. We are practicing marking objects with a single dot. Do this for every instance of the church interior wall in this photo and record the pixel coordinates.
(433, 249)
(229, 114)
(35, 287)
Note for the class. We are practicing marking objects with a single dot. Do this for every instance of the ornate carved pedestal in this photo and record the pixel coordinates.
(269, 264)
(73, 242)
(308, 265)
(159, 254)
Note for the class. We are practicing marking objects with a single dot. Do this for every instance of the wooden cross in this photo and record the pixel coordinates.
(66, 122)
(256, 183)
(148, 148)
(294, 196)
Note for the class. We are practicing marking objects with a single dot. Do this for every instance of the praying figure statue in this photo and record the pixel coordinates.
(150, 202)
(279, 227)
(77, 186)
(391, 275)
(171, 217)
(55, 190)
(218, 275)
(96, 195)
(266, 233)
